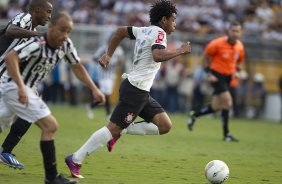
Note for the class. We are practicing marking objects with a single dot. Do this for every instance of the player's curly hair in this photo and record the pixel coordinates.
(160, 9)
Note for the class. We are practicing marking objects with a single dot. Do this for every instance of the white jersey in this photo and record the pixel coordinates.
(144, 68)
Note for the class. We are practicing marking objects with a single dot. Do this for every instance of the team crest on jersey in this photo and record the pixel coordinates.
(129, 118)
(161, 36)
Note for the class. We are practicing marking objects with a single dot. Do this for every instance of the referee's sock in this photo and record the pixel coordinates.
(225, 119)
(18, 129)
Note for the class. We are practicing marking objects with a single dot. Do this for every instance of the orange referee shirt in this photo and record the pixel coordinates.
(224, 56)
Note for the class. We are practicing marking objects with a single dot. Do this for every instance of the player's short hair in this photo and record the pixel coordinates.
(234, 23)
(160, 9)
(56, 16)
(37, 3)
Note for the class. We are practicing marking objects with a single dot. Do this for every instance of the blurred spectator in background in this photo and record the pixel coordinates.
(242, 91)
(234, 83)
(256, 98)
(280, 88)
(173, 72)
(185, 90)
(257, 17)
(201, 87)
(158, 90)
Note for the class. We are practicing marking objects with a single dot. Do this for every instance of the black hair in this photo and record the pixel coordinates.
(162, 8)
(56, 16)
(37, 3)
(234, 23)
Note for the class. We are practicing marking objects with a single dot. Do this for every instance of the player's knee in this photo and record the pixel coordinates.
(228, 105)
(165, 127)
(49, 126)
(52, 128)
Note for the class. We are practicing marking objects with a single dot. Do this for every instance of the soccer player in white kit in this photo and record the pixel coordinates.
(134, 98)
(26, 66)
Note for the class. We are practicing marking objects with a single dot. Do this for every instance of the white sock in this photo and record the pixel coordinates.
(97, 140)
(141, 128)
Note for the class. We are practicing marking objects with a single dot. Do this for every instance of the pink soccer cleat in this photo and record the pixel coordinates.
(112, 142)
(73, 167)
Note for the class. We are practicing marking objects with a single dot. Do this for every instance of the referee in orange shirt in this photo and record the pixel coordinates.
(222, 59)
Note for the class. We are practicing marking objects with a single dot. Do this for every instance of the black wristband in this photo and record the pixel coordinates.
(238, 68)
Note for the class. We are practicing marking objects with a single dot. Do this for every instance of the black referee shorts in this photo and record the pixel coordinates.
(223, 83)
(134, 102)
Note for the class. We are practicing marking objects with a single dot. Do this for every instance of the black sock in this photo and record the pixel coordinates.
(108, 105)
(204, 110)
(49, 159)
(93, 105)
(18, 129)
(225, 118)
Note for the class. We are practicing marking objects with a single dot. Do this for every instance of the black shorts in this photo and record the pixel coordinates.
(223, 83)
(134, 102)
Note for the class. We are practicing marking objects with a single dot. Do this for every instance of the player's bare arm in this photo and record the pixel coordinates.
(117, 37)
(81, 73)
(160, 55)
(14, 31)
(12, 65)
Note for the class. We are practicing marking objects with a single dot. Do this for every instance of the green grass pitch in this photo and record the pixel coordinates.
(176, 158)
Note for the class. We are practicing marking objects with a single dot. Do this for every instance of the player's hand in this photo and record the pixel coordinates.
(212, 78)
(237, 75)
(104, 60)
(186, 48)
(23, 98)
(99, 97)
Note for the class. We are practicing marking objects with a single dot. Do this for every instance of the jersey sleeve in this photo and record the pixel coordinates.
(71, 56)
(22, 20)
(211, 49)
(159, 39)
(130, 32)
(241, 55)
(27, 49)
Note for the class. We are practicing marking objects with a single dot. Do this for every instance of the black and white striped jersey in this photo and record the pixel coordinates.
(22, 20)
(37, 60)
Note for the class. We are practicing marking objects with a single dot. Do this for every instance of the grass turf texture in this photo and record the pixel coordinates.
(176, 158)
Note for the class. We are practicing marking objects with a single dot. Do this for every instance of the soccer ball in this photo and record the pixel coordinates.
(216, 171)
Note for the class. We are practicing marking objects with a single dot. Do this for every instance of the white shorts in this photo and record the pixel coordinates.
(106, 86)
(10, 107)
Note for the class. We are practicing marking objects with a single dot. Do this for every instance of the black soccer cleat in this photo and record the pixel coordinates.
(230, 138)
(60, 180)
(191, 120)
